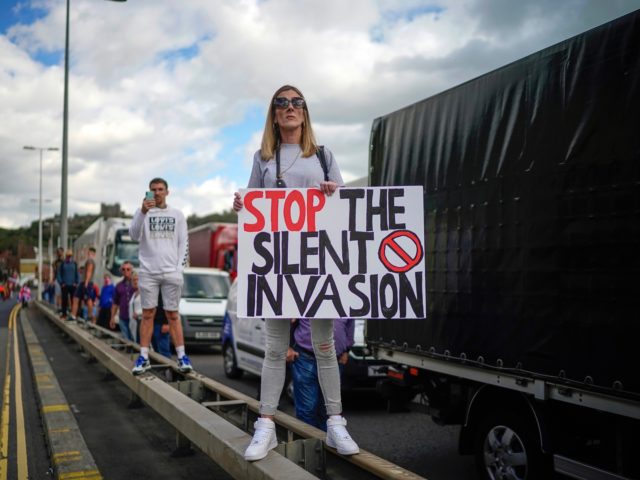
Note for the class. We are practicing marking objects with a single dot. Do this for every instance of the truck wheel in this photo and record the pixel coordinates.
(507, 447)
(230, 364)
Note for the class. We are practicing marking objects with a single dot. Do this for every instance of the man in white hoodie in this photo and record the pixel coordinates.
(162, 233)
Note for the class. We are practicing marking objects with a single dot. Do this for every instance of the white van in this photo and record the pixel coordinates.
(243, 340)
(243, 347)
(203, 303)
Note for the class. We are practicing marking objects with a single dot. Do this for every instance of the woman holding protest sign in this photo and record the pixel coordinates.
(290, 157)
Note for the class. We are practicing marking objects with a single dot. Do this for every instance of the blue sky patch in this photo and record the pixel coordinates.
(181, 54)
(20, 12)
(409, 15)
(391, 17)
(49, 58)
(12, 12)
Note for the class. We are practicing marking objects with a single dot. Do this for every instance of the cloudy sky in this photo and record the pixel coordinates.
(179, 89)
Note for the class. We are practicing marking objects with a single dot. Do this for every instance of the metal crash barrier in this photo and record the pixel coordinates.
(219, 420)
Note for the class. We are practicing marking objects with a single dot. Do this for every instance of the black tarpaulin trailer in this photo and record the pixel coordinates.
(531, 178)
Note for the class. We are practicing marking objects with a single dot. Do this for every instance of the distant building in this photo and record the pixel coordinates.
(110, 211)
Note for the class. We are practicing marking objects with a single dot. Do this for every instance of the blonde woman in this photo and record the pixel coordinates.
(288, 140)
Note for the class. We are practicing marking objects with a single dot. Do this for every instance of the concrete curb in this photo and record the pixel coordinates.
(70, 456)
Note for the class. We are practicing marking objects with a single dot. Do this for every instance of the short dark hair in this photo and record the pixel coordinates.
(159, 180)
(92, 249)
(126, 262)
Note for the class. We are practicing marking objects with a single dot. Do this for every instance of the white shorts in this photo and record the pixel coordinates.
(58, 289)
(170, 284)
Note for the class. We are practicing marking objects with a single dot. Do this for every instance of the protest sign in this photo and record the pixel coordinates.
(357, 253)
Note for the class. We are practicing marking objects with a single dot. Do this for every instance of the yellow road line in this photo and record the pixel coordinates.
(4, 439)
(81, 475)
(23, 469)
(62, 407)
(6, 404)
(65, 457)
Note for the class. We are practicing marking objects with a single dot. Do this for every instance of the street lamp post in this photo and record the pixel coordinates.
(65, 119)
(64, 225)
(50, 224)
(41, 149)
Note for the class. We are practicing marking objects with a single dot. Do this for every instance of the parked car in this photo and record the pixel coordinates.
(202, 306)
(243, 347)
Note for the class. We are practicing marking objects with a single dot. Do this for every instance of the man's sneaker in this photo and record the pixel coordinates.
(184, 365)
(339, 438)
(264, 439)
(141, 366)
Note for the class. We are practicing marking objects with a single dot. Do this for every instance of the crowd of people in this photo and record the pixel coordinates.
(10, 286)
(114, 306)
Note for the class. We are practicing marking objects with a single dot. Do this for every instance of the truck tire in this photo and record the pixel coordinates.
(507, 447)
(229, 362)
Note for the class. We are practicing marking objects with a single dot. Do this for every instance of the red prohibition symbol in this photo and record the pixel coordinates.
(406, 260)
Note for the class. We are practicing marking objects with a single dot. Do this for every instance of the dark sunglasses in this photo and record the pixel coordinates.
(283, 102)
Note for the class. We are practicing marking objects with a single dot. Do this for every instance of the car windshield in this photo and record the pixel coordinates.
(205, 286)
(127, 251)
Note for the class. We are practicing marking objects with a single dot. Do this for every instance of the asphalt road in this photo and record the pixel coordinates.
(135, 443)
(35, 453)
(127, 441)
(411, 440)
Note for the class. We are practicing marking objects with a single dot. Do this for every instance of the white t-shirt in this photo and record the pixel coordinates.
(162, 234)
(135, 307)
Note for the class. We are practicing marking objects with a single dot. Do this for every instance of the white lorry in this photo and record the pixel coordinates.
(110, 237)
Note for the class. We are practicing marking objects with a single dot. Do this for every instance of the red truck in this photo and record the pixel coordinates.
(214, 245)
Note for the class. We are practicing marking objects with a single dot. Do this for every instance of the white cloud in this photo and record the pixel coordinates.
(154, 85)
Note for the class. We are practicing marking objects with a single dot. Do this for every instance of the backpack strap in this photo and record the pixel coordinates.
(278, 174)
(323, 162)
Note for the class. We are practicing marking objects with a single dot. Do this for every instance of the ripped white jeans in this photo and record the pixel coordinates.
(274, 365)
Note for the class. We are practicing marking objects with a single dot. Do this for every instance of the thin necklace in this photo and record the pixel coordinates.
(294, 161)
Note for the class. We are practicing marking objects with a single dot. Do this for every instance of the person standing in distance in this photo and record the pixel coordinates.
(85, 291)
(162, 233)
(56, 266)
(121, 297)
(68, 279)
(290, 157)
(106, 301)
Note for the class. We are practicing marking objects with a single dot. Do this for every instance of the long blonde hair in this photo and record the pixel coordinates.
(271, 134)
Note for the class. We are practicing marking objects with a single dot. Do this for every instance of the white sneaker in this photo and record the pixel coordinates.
(339, 438)
(264, 439)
